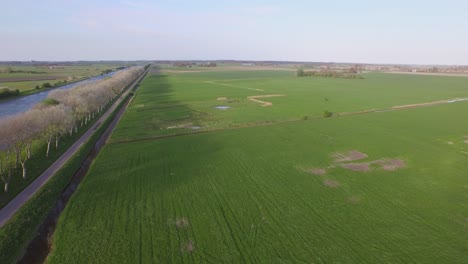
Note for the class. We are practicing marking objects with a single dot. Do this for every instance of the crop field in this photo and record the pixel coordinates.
(25, 78)
(242, 167)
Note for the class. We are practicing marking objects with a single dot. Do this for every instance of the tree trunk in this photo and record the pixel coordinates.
(7, 184)
(23, 165)
(56, 142)
(29, 150)
(48, 146)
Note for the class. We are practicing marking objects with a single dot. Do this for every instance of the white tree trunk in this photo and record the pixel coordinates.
(56, 141)
(29, 150)
(48, 146)
(23, 165)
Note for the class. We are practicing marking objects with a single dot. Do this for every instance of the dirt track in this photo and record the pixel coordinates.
(264, 103)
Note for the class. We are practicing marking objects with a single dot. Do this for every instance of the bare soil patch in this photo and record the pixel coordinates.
(386, 164)
(349, 156)
(318, 171)
(189, 247)
(359, 167)
(182, 222)
(331, 183)
(221, 98)
(354, 199)
(264, 103)
(391, 164)
(450, 143)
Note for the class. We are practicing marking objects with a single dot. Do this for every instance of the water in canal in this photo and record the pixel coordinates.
(21, 104)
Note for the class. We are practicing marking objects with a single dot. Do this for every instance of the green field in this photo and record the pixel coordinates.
(25, 78)
(181, 181)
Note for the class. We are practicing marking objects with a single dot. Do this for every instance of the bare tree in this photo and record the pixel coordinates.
(5, 154)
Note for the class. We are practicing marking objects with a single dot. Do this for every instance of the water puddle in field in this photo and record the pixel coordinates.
(222, 107)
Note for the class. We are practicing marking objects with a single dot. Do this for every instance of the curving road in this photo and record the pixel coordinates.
(7, 212)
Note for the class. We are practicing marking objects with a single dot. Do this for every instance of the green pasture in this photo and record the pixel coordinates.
(24, 75)
(171, 100)
(25, 86)
(245, 193)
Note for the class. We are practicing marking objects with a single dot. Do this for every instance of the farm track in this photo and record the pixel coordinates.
(344, 114)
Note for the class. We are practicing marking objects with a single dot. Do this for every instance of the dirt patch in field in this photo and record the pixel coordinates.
(182, 223)
(331, 183)
(263, 103)
(221, 98)
(450, 143)
(391, 164)
(189, 247)
(359, 167)
(351, 155)
(386, 164)
(466, 141)
(318, 171)
(354, 199)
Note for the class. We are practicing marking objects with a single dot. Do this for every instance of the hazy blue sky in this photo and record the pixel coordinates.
(397, 31)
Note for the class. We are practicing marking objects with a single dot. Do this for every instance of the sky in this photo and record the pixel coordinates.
(359, 31)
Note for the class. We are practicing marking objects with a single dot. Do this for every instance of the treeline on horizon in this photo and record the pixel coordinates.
(351, 73)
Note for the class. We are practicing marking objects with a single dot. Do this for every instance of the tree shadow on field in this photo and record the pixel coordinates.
(154, 112)
(154, 109)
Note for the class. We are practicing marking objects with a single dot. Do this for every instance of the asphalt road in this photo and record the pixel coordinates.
(7, 212)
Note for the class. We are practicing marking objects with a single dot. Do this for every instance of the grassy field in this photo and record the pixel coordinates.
(263, 184)
(25, 78)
